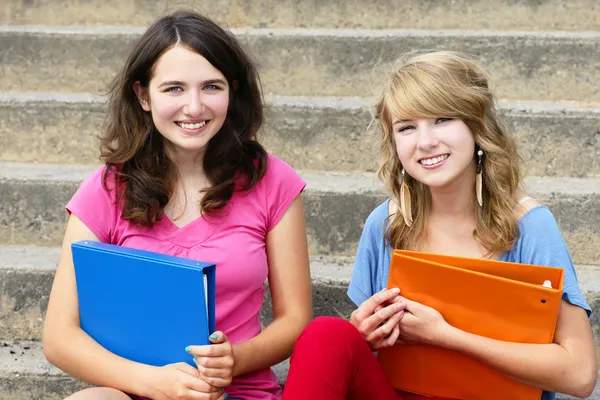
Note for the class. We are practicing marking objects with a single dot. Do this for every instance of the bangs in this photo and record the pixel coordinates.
(416, 92)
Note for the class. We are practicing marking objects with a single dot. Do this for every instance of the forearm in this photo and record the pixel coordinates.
(546, 366)
(273, 345)
(81, 357)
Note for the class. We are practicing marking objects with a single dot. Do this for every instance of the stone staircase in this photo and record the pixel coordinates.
(317, 62)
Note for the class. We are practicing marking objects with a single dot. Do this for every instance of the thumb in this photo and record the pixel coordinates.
(411, 306)
(218, 337)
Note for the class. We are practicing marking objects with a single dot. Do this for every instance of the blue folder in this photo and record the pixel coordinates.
(143, 306)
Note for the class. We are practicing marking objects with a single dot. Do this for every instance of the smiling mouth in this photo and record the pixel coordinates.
(433, 160)
(197, 125)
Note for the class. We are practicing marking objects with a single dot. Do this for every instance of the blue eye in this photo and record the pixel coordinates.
(440, 120)
(174, 89)
(211, 87)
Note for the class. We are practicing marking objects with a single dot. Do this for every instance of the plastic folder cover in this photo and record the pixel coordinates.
(144, 306)
(499, 300)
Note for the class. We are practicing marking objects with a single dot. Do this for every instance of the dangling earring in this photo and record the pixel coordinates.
(479, 177)
(405, 205)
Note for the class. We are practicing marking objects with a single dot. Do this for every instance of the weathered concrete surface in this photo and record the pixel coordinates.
(438, 14)
(307, 132)
(32, 199)
(526, 66)
(26, 375)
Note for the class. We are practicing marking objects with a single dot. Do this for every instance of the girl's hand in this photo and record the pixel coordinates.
(377, 318)
(422, 325)
(182, 382)
(215, 361)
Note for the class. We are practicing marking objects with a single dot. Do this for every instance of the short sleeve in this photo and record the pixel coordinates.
(368, 257)
(543, 244)
(281, 186)
(94, 206)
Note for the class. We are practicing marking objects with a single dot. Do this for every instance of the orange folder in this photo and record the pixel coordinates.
(499, 300)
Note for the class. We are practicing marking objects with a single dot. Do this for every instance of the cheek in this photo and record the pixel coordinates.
(218, 104)
(404, 148)
(165, 108)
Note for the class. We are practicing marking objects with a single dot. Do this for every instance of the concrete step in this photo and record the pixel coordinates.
(315, 62)
(32, 200)
(555, 138)
(26, 375)
(26, 274)
(461, 14)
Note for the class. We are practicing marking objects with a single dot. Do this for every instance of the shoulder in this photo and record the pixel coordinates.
(95, 203)
(534, 217)
(95, 182)
(278, 189)
(276, 164)
(376, 221)
(279, 172)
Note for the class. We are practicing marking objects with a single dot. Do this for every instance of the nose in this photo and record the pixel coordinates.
(426, 139)
(195, 106)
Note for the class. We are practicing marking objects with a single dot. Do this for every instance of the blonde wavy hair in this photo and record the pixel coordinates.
(450, 85)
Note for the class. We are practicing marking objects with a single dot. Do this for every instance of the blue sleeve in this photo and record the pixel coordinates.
(541, 243)
(363, 281)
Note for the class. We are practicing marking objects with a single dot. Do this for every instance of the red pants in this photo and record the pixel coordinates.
(332, 361)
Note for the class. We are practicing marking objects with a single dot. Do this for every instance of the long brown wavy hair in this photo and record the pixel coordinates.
(448, 84)
(134, 150)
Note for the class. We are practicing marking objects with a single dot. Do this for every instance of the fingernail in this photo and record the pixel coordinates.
(187, 349)
(395, 290)
(214, 336)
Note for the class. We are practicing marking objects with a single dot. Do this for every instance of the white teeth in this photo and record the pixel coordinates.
(191, 126)
(434, 160)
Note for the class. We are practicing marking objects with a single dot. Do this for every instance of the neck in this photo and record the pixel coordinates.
(455, 200)
(190, 168)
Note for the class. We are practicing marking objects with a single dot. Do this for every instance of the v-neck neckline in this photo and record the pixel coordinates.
(196, 231)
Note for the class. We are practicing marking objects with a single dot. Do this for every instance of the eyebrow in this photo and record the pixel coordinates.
(402, 121)
(179, 83)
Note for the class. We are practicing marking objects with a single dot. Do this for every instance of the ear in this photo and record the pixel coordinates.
(142, 95)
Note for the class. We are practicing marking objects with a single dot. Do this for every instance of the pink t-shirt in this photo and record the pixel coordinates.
(234, 240)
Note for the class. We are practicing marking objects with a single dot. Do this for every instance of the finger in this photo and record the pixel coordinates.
(217, 373)
(389, 340)
(397, 299)
(407, 320)
(214, 362)
(217, 382)
(218, 337)
(211, 350)
(188, 369)
(380, 317)
(194, 386)
(392, 338)
(410, 305)
(368, 306)
(386, 328)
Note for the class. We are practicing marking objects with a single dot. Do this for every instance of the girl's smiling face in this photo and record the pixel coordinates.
(435, 151)
(188, 99)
